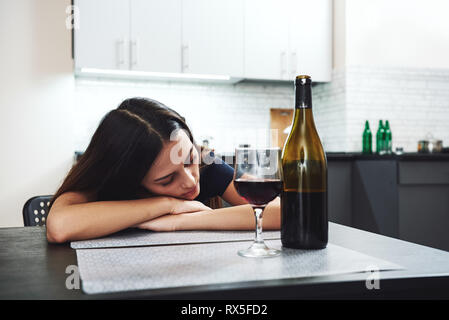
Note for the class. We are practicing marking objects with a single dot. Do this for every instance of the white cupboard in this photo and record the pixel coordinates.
(310, 39)
(155, 35)
(102, 39)
(266, 39)
(285, 38)
(212, 35)
(252, 39)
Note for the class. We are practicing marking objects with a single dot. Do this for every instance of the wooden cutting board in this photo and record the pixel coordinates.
(280, 119)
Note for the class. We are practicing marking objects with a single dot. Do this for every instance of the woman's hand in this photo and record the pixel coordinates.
(184, 206)
(172, 221)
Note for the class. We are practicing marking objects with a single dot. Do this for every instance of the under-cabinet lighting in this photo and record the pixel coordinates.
(145, 74)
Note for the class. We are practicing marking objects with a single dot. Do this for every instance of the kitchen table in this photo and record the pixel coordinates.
(31, 268)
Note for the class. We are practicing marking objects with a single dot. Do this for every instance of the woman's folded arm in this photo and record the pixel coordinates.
(73, 217)
(232, 218)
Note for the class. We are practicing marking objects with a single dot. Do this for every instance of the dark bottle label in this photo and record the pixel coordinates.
(304, 221)
(303, 94)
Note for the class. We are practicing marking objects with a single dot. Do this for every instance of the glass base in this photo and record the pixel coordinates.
(259, 250)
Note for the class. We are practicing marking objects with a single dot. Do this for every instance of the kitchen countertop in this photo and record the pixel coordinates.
(344, 156)
(412, 156)
(31, 268)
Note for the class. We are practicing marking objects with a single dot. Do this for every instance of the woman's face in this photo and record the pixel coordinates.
(175, 172)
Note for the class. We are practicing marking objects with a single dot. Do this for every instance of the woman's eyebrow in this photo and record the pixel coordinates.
(168, 175)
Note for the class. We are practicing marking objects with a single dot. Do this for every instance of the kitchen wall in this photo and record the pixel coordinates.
(46, 115)
(390, 62)
(36, 90)
(414, 100)
(399, 33)
(231, 114)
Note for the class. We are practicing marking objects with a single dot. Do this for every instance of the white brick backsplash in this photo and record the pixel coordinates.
(231, 114)
(415, 101)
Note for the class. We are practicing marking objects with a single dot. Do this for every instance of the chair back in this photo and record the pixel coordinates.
(35, 211)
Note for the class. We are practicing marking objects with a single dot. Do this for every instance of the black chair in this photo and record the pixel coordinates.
(35, 211)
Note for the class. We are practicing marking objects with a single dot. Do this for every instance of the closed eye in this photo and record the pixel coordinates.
(167, 183)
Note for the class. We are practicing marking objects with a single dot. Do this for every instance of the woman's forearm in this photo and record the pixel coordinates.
(96, 219)
(231, 218)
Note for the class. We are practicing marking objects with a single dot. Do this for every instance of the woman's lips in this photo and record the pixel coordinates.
(191, 192)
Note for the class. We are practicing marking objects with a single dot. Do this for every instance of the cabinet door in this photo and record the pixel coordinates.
(155, 43)
(102, 38)
(310, 39)
(212, 32)
(266, 39)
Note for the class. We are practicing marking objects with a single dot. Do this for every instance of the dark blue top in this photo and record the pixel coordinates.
(214, 179)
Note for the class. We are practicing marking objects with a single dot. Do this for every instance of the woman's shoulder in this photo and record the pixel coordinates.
(217, 166)
(215, 178)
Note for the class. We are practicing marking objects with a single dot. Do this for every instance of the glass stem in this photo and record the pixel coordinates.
(259, 213)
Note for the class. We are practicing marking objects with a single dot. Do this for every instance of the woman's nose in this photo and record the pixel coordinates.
(189, 179)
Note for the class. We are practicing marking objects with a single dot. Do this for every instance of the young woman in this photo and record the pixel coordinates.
(143, 169)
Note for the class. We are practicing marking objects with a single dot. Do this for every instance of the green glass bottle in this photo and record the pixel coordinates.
(380, 138)
(388, 138)
(304, 217)
(367, 147)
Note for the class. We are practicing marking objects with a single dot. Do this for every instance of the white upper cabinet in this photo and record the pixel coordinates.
(212, 37)
(310, 39)
(155, 36)
(253, 39)
(284, 38)
(266, 39)
(103, 35)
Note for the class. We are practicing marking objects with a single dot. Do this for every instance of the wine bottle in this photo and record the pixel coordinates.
(367, 147)
(380, 138)
(388, 138)
(304, 220)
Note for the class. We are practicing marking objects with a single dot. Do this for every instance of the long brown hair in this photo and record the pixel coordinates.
(123, 149)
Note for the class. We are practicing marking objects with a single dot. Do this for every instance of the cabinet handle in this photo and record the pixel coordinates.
(134, 49)
(120, 45)
(185, 58)
(283, 63)
(293, 63)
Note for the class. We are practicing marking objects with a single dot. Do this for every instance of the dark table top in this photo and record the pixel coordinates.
(31, 268)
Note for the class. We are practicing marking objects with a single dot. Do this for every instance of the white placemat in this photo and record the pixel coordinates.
(137, 268)
(139, 237)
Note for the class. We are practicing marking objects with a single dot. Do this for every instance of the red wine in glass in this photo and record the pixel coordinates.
(258, 179)
(258, 192)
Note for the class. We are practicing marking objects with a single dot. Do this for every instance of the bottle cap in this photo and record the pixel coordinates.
(303, 79)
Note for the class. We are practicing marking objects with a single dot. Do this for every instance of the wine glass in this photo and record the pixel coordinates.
(258, 179)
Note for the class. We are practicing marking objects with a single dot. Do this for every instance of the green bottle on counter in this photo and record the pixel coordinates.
(367, 147)
(388, 138)
(380, 139)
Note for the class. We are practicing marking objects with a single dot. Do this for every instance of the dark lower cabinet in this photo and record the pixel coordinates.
(375, 196)
(408, 200)
(405, 197)
(340, 192)
(424, 203)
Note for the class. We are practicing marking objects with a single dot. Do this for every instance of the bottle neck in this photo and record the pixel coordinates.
(303, 96)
